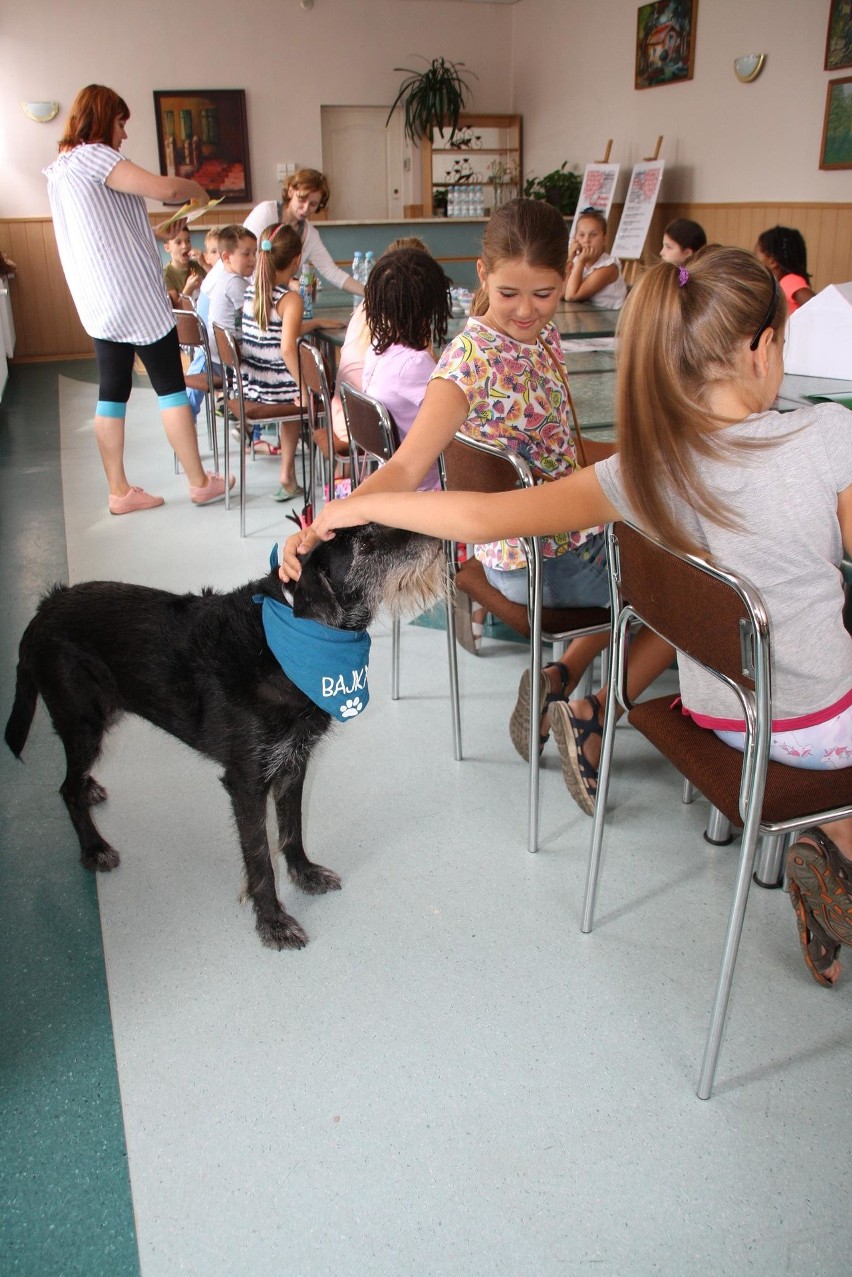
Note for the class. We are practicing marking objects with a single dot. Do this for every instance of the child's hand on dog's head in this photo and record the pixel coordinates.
(337, 514)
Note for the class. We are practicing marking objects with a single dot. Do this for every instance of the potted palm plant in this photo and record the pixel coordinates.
(432, 99)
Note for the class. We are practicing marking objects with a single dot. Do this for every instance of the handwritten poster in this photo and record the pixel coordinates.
(639, 207)
(597, 190)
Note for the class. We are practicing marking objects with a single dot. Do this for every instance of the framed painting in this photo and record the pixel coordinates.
(836, 149)
(202, 134)
(665, 42)
(838, 41)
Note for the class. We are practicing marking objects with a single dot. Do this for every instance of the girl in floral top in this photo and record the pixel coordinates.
(504, 378)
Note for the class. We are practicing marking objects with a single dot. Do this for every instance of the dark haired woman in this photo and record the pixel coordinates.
(115, 275)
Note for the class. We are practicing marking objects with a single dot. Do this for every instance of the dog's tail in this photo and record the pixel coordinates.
(23, 710)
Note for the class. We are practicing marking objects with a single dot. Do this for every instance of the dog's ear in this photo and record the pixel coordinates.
(315, 595)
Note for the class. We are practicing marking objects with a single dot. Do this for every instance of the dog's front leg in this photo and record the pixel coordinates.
(287, 791)
(274, 924)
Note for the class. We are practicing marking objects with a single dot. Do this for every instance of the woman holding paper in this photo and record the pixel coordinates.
(114, 272)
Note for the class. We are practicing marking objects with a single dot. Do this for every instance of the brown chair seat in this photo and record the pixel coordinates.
(320, 438)
(263, 411)
(715, 768)
(198, 380)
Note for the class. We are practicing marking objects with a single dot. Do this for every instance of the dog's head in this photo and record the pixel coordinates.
(347, 581)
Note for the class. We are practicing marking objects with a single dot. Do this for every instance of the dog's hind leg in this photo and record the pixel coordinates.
(81, 707)
(315, 879)
(276, 928)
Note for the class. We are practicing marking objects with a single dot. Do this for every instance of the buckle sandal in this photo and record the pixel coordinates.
(468, 631)
(818, 949)
(519, 723)
(824, 879)
(571, 734)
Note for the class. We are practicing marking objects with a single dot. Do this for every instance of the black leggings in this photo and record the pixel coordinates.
(115, 367)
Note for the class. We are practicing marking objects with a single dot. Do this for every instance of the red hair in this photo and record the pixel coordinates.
(94, 112)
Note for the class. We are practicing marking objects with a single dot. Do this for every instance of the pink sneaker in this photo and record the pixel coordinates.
(213, 489)
(135, 499)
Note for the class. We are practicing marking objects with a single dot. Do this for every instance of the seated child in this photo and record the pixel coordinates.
(237, 248)
(783, 250)
(183, 276)
(407, 304)
(208, 259)
(350, 365)
(593, 275)
(682, 239)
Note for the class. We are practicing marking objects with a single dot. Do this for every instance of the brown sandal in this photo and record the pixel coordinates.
(818, 949)
(824, 878)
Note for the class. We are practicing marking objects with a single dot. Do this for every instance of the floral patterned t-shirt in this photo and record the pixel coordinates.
(515, 393)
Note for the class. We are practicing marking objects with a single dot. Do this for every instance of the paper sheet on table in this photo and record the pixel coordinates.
(189, 212)
(569, 344)
(819, 335)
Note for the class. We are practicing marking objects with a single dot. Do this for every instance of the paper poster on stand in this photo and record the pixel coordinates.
(597, 190)
(639, 207)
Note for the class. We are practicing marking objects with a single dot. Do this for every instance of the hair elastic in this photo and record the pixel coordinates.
(682, 276)
(266, 246)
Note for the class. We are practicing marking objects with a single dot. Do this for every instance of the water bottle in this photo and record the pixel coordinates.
(369, 263)
(357, 275)
(306, 289)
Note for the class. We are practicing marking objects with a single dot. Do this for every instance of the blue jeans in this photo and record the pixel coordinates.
(575, 579)
(199, 364)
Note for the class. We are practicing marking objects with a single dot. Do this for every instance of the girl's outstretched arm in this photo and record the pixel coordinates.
(566, 505)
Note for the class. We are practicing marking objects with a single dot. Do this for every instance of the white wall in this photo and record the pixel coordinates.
(566, 65)
(290, 62)
(725, 141)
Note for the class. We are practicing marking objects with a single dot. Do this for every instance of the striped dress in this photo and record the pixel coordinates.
(107, 249)
(265, 375)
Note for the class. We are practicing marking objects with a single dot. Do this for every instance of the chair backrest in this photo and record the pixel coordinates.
(710, 614)
(472, 465)
(229, 358)
(190, 329)
(371, 427)
(313, 373)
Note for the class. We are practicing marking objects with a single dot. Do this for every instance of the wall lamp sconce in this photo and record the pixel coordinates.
(41, 112)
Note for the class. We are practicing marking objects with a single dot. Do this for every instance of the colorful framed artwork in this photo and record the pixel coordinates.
(838, 41)
(665, 42)
(836, 149)
(202, 134)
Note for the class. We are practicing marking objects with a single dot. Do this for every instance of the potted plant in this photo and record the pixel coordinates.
(561, 188)
(432, 99)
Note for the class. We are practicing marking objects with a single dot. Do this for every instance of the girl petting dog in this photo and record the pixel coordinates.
(709, 468)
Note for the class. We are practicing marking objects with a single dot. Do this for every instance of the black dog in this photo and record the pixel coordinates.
(199, 667)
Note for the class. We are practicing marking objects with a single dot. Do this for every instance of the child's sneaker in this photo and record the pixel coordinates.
(212, 490)
(133, 500)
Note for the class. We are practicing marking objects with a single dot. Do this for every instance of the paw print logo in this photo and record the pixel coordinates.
(350, 708)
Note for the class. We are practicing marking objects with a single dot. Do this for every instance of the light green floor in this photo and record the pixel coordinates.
(64, 1185)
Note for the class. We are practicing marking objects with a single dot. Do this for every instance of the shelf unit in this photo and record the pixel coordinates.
(497, 140)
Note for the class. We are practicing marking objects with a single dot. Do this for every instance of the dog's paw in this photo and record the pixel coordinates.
(102, 860)
(315, 879)
(281, 932)
(94, 793)
(351, 707)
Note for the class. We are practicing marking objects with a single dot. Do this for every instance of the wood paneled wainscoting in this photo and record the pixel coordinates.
(48, 327)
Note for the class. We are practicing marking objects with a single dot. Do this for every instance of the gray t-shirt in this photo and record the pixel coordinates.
(788, 544)
(226, 305)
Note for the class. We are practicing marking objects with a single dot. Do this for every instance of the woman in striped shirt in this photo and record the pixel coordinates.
(114, 272)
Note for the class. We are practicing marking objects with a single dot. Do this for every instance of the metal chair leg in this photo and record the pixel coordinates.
(395, 659)
(718, 831)
(688, 792)
(769, 863)
(455, 706)
(601, 794)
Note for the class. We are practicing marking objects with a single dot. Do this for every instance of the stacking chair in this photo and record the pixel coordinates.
(719, 620)
(373, 439)
(315, 378)
(192, 333)
(471, 465)
(247, 413)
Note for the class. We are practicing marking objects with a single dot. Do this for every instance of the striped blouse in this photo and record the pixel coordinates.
(107, 249)
(265, 375)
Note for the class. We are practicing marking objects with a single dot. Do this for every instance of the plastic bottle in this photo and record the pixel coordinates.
(358, 276)
(307, 291)
(369, 263)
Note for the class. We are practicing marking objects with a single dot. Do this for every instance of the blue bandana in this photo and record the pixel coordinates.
(328, 665)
